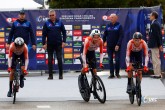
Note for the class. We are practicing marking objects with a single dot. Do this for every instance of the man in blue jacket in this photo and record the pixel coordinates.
(155, 43)
(112, 38)
(22, 28)
(51, 32)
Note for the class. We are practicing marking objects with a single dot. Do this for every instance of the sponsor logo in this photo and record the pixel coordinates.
(76, 50)
(68, 56)
(40, 50)
(148, 99)
(52, 61)
(163, 50)
(2, 40)
(41, 18)
(6, 34)
(76, 61)
(68, 44)
(84, 38)
(104, 50)
(39, 44)
(2, 56)
(7, 51)
(68, 61)
(77, 44)
(97, 55)
(40, 62)
(95, 27)
(2, 61)
(7, 55)
(86, 27)
(2, 50)
(68, 50)
(105, 61)
(40, 56)
(2, 45)
(6, 39)
(76, 55)
(38, 33)
(77, 33)
(76, 27)
(39, 39)
(68, 27)
(2, 34)
(39, 27)
(164, 56)
(77, 38)
(69, 33)
(86, 32)
(106, 18)
(69, 38)
(2, 29)
(8, 28)
(103, 26)
(102, 32)
(105, 55)
(11, 20)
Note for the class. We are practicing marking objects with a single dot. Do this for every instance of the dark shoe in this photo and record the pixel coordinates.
(60, 77)
(22, 83)
(9, 94)
(50, 77)
(128, 89)
(111, 76)
(155, 76)
(118, 76)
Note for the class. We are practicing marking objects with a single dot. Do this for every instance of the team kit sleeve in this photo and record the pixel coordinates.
(101, 51)
(145, 49)
(26, 57)
(128, 50)
(10, 56)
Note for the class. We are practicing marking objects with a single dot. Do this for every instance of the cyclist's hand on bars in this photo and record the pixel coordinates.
(85, 70)
(9, 69)
(101, 66)
(25, 72)
(128, 69)
(145, 68)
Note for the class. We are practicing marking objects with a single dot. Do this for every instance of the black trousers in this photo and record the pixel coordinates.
(58, 49)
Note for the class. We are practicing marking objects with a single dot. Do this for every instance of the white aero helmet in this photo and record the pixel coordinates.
(95, 32)
(19, 41)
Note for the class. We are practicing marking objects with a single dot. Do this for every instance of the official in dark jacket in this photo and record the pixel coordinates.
(112, 38)
(54, 41)
(22, 28)
(155, 43)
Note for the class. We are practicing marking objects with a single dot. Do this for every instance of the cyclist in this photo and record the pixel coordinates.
(134, 54)
(17, 49)
(91, 43)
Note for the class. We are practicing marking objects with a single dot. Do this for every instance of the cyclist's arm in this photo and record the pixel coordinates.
(26, 56)
(145, 47)
(101, 51)
(86, 45)
(128, 53)
(10, 55)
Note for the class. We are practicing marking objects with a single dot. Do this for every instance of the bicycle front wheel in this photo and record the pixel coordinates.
(138, 91)
(132, 93)
(14, 91)
(99, 89)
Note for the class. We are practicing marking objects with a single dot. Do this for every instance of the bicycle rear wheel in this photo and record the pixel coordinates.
(131, 94)
(138, 91)
(99, 89)
(84, 91)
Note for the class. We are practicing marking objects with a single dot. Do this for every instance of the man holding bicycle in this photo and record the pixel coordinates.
(88, 51)
(134, 54)
(17, 49)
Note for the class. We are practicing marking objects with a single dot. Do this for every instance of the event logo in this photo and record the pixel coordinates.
(76, 55)
(76, 27)
(77, 33)
(2, 56)
(69, 38)
(40, 56)
(77, 38)
(86, 27)
(86, 32)
(68, 27)
(95, 27)
(40, 62)
(2, 34)
(41, 18)
(40, 50)
(2, 46)
(68, 56)
(2, 51)
(38, 33)
(77, 44)
(68, 50)
(69, 33)
(106, 18)
(68, 44)
(2, 40)
(2, 29)
(11, 20)
(68, 61)
(76, 50)
(39, 27)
